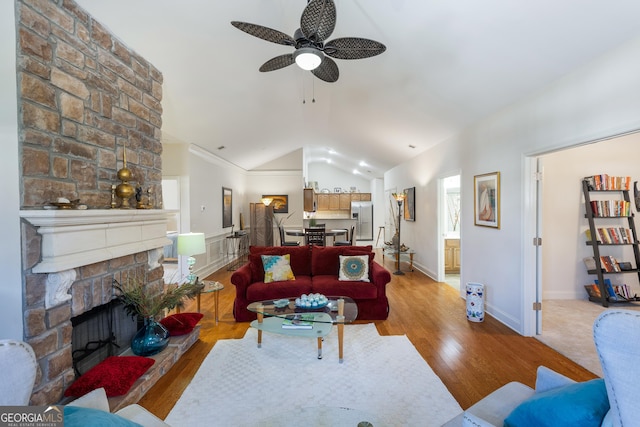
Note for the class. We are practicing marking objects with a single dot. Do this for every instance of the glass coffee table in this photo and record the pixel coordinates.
(316, 323)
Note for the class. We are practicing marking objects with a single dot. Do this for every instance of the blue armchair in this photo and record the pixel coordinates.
(616, 335)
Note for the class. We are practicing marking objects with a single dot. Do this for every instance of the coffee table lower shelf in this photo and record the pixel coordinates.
(321, 328)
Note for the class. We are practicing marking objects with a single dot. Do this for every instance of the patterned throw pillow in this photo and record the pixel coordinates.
(277, 268)
(354, 268)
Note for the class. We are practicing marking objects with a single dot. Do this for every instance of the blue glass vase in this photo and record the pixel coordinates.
(151, 339)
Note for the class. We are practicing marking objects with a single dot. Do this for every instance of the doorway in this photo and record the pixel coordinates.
(449, 269)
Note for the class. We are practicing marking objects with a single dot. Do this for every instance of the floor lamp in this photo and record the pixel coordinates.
(190, 244)
(399, 198)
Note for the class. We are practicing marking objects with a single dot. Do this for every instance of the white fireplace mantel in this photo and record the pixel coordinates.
(74, 238)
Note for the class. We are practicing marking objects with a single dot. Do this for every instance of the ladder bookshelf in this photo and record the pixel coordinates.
(605, 231)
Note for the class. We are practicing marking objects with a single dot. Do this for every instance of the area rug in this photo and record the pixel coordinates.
(383, 380)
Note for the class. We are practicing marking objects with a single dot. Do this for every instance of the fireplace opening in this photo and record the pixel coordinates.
(103, 331)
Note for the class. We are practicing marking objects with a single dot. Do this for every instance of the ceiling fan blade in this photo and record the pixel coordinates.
(318, 20)
(353, 48)
(327, 71)
(265, 33)
(277, 63)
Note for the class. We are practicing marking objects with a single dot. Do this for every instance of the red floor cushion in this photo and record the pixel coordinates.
(115, 373)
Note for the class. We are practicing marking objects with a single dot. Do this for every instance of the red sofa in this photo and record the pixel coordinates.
(316, 271)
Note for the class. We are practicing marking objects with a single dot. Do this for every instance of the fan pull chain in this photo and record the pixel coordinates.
(313, 81)
(304, 101)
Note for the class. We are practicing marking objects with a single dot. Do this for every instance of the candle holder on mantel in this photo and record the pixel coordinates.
(124, 190)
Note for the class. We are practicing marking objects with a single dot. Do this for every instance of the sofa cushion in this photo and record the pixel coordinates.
(260, 291)
(115, 373)
(181, 323)
(277, 268)
(582, 404)
(326, 259)
(299, 259)
(329, 285)
(354, 267)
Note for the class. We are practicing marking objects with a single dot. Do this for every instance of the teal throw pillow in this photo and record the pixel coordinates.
(76, 416)
(581, 404)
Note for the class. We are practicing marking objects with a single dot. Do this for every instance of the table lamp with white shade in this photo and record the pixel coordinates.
(190, 244)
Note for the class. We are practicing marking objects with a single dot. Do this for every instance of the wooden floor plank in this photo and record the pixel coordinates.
(472, 359)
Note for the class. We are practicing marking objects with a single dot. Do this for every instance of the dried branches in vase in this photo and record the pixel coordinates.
(137, 301)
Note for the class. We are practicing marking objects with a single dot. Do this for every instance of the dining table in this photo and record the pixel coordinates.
(328, 233)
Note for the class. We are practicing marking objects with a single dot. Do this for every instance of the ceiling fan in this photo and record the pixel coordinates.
(311, 52)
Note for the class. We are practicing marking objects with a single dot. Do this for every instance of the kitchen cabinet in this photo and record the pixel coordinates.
(334, 202)
(323, 201)
(345, 201)
(452, 255)
(310, 200)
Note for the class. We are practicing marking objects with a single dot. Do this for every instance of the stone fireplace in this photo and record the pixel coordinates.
(74, 256)
(84, 100)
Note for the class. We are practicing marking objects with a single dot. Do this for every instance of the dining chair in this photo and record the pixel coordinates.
(315, 235)
(349, 241)
(283, 242)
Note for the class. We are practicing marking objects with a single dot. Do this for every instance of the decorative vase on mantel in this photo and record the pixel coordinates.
(151, 339)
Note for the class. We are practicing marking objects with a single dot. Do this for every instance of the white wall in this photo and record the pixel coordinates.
(330, 177)
(597, 101)
(10, 285)
(289, 183)
(563, 212)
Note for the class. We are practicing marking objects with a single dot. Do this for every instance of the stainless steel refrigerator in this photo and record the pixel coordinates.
(362, 212)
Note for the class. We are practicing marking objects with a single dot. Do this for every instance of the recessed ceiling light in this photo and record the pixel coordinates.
(332, 151)
(355, 172)
(362, 163)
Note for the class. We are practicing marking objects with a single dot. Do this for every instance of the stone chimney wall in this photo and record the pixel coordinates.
(84, 97)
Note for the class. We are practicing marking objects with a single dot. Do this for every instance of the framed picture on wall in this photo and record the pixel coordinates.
(486, 194)
(227, 198)
(410, 204)
(280, 203)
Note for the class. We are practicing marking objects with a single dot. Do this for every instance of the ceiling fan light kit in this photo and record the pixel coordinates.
(311, 53)
(308, 58)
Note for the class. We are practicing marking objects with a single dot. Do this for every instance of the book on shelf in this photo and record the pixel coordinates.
(610, 208)
(609, 287)
(587, 233)
(298, 321)
(593, 290)
(609, 263)
(611, 235)
(589, 262)
(606, 182)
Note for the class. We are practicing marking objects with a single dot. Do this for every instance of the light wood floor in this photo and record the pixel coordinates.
(472, 359)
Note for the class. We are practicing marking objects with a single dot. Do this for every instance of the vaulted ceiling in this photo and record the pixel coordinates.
(447, 65)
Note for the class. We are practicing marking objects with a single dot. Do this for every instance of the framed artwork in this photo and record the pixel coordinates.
(486, 194)
(280, 202)
(410, 204)
(227, 198)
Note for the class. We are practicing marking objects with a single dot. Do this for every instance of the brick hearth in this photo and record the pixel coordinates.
(164, 361)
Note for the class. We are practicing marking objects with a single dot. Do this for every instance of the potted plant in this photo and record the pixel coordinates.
(138, 301)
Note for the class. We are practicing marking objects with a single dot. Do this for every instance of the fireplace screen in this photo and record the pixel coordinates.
(104, 331)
